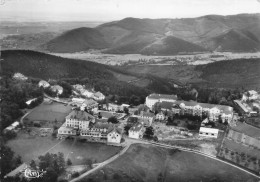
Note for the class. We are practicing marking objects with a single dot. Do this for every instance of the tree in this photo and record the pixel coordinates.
(112, 119)
(33, 164)
(69, 163)
(149, 132)
(126, 110)
(126, 128)
(157, 107)
(9, 134)
(88, 162)
(61, 162)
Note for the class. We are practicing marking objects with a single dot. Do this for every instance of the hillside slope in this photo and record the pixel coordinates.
(232, 73)
(222, 74)
(107, 79)
(133, 35)
(76, 40)
(233, 40)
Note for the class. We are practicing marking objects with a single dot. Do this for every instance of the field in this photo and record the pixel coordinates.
(48, 113)
(240, 154)
(148, 163)
(30, 147)
(129, 59)
(79, 151)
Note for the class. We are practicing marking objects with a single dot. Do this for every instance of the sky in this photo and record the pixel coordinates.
(108, 10)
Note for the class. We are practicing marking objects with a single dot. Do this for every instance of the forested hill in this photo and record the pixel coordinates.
(45, 66)
(232, 73)
(108, 79)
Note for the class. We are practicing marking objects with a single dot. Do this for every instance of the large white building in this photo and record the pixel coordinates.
(153, 98)
(79, 119)
(214, 112)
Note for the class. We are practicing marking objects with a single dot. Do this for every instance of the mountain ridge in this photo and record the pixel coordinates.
(134, 35)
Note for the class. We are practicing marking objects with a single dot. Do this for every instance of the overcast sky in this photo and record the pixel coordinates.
(107, 10)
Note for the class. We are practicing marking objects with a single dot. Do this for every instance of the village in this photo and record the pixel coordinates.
(231, 134)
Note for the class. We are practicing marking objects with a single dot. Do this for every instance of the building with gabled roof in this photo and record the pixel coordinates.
(146, 118)
(89, 104)
(136, 131)
(114, 135)
(79, 119)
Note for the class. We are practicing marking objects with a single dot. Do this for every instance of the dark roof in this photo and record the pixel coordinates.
(147, 114)
(136, 127)
(106, 114)
(116, 129)
(80, 115)
(166, 105)
(132, 119)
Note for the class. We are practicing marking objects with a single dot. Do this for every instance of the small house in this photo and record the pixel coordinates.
(208, 132)
(136, 131)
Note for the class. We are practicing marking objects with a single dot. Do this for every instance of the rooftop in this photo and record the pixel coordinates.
(147, 114)
(225, 109)
(162, 96)
(90, 102)
(98, 94)
(79, 115)
(166, 105)
(136, 127)
(209, 130)
(132, 119)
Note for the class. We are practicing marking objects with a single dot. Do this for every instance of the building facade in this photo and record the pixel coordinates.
(212, 111)
(208, 132)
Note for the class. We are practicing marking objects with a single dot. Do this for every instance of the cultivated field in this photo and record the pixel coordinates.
(120, 59)
(240, 154)
(148, 163)
(48, 113)
(30, 146)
